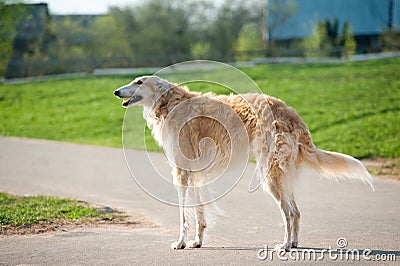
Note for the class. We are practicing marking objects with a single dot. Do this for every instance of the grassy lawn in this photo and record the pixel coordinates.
(18, 211)
(39, 214)
(349, 107)
(81, 110)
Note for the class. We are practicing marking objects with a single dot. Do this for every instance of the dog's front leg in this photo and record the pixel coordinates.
(200, 226)
(182, 190)
(200, 220)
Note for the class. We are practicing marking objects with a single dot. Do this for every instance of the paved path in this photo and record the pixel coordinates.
(366, 219)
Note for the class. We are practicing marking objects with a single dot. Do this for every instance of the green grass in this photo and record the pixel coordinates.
(352, 108)
(16, 211)
(81, 110)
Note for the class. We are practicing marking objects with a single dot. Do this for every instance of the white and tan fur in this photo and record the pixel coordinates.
(279, 140)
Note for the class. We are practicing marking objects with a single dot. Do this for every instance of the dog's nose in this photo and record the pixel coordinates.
(116, 92)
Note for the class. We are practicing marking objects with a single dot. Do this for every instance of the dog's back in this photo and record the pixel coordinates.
(268, 117)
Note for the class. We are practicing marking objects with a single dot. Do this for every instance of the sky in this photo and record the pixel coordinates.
(62, 7)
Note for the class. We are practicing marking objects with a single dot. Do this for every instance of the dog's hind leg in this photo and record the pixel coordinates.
(281, 196)
(200, 222)
(296, 223)
(181, 182)
(287, 217)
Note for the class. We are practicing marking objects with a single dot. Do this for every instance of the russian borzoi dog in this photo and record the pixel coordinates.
(277, 137)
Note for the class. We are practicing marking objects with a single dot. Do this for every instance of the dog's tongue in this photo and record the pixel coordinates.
(131, 100)
(126, 103)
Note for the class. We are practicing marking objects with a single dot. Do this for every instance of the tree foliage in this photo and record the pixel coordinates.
(9, 18)
(349, 42)
(326, 40)
(106, 30)
(391, 39)
(72, 40)
(184, 28)
(248, 42)
(226, 27)
(155, 32)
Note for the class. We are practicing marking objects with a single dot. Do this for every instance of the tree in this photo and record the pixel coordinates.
(325, 39)
(10, 15)
(126, 21)
(249, 42)
(201, 50)
(317, 40)
(156, 29)
(32, 35)
(332, 31)
(224, 31)
(72, 39)
(348, 38)
(108, 38)
(391, 39)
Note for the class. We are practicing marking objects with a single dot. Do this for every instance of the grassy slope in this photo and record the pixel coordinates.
(351, 108)
(81, 110)
(16, 211)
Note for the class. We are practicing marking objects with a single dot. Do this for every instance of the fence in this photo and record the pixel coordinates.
(33, 68)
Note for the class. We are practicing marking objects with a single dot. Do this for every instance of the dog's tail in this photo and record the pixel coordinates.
(333, 165)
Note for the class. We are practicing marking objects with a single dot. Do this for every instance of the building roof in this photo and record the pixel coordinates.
(366, 17)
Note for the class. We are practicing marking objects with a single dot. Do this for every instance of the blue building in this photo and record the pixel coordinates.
(368, 19)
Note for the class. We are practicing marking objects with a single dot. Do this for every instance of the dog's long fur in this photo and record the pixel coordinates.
(279, 140)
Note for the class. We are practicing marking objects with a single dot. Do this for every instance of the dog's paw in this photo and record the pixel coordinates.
(295, 244)
(178, 245)
(283, 246)
(193, 244)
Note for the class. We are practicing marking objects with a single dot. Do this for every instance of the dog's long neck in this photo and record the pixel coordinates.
(170, 99)
(157, 114)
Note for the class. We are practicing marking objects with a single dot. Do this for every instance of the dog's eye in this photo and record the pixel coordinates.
(139, 82)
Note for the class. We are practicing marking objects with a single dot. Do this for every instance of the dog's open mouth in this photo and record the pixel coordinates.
(131, 100)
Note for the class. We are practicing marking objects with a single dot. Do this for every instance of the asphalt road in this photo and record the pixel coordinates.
(368, 221)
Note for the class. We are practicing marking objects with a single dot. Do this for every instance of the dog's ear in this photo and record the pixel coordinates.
(163, 85)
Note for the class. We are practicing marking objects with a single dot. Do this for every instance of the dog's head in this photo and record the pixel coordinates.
(142, 91)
